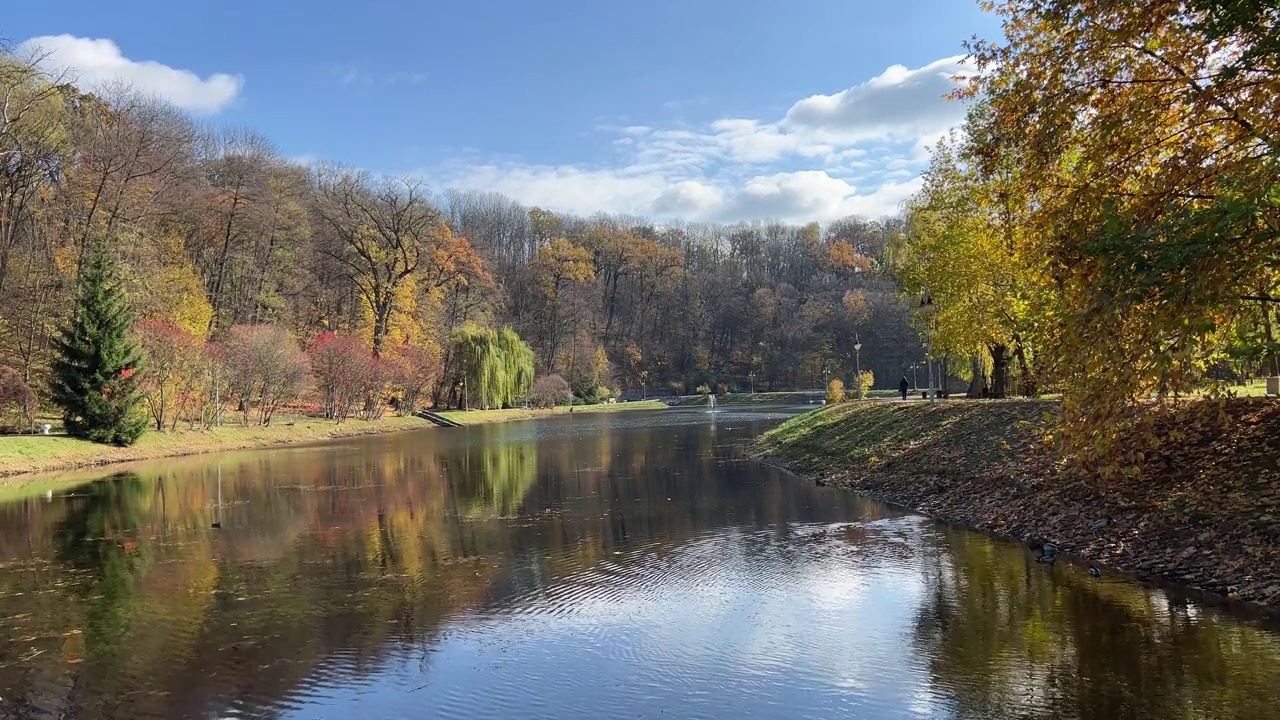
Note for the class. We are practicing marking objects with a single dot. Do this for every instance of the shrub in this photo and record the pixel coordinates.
(551, 390)
(835, 391)
(343, 370)
(868, 380)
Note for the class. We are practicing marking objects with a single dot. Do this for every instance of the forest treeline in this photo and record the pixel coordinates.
(1106, 224)
(227, 252)
(1107, 221)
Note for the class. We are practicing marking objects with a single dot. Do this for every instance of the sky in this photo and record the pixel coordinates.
(702, 110)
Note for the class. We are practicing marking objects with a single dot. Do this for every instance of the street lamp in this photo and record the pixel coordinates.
(751, 378)
(857, 363)
(928, 308)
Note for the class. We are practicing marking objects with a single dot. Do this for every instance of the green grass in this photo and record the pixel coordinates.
(20, 454)
(1258, 388)
(480, 417)
(869, 434)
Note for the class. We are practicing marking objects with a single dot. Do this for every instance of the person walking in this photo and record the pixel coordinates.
(903, 387)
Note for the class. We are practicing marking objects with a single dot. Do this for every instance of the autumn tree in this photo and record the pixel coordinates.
(265, 367)
(130, 150)
(412, 371)
(558, 267)
(1145, 136)
(835, 391)
(965, 245)
(174, 368)
(381, 232)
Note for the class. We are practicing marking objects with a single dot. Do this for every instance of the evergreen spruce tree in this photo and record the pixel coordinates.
(96, 359)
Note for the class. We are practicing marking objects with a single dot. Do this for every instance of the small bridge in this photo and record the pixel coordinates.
(438, 420)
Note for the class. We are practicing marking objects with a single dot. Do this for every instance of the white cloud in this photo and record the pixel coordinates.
(898, 104)
(96, 62)
(804, 195)
(565, 188)
(688, 199)
(858, 151)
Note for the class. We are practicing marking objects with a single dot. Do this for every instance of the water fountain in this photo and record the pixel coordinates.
(712, 400)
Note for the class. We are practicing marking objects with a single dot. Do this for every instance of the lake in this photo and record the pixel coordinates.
(618, 565)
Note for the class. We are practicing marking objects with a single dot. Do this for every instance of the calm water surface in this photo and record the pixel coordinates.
(634, 565)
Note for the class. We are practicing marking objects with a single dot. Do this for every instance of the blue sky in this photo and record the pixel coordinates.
(707, 110)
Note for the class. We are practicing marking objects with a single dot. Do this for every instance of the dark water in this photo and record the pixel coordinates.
(620, 566)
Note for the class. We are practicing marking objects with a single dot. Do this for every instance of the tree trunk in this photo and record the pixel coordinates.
(1273, 363)
(979, 380)
(999, 370)
(1027, 386)
(381, 324)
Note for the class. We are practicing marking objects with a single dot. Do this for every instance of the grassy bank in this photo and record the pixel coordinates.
(29, 454)
(22, 454)
(1204, 512)
(479, 417)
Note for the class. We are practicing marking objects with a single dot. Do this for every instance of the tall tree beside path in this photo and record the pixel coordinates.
(96, 359)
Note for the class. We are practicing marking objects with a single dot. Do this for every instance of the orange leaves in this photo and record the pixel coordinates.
(841, 258)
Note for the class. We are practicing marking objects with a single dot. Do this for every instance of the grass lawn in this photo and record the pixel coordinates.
(479, 417)
(21, 454)
(872, 433)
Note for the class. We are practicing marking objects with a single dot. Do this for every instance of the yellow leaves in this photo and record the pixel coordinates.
(404, 327)
(601, 362)
(835, 391)
(173, 291)
(561, 262)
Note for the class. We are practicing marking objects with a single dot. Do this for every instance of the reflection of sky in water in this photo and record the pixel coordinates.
(729, 624)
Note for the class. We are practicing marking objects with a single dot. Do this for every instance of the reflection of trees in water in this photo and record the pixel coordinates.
(333, 563)
(97, 539)
(1003, 641)
(495, 477)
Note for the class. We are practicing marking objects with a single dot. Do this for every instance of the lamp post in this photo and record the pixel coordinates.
(857, 363)
(928, 308)
(751, 378)
(826, 382)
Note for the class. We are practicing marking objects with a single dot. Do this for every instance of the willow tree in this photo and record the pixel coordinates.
(494, 368)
